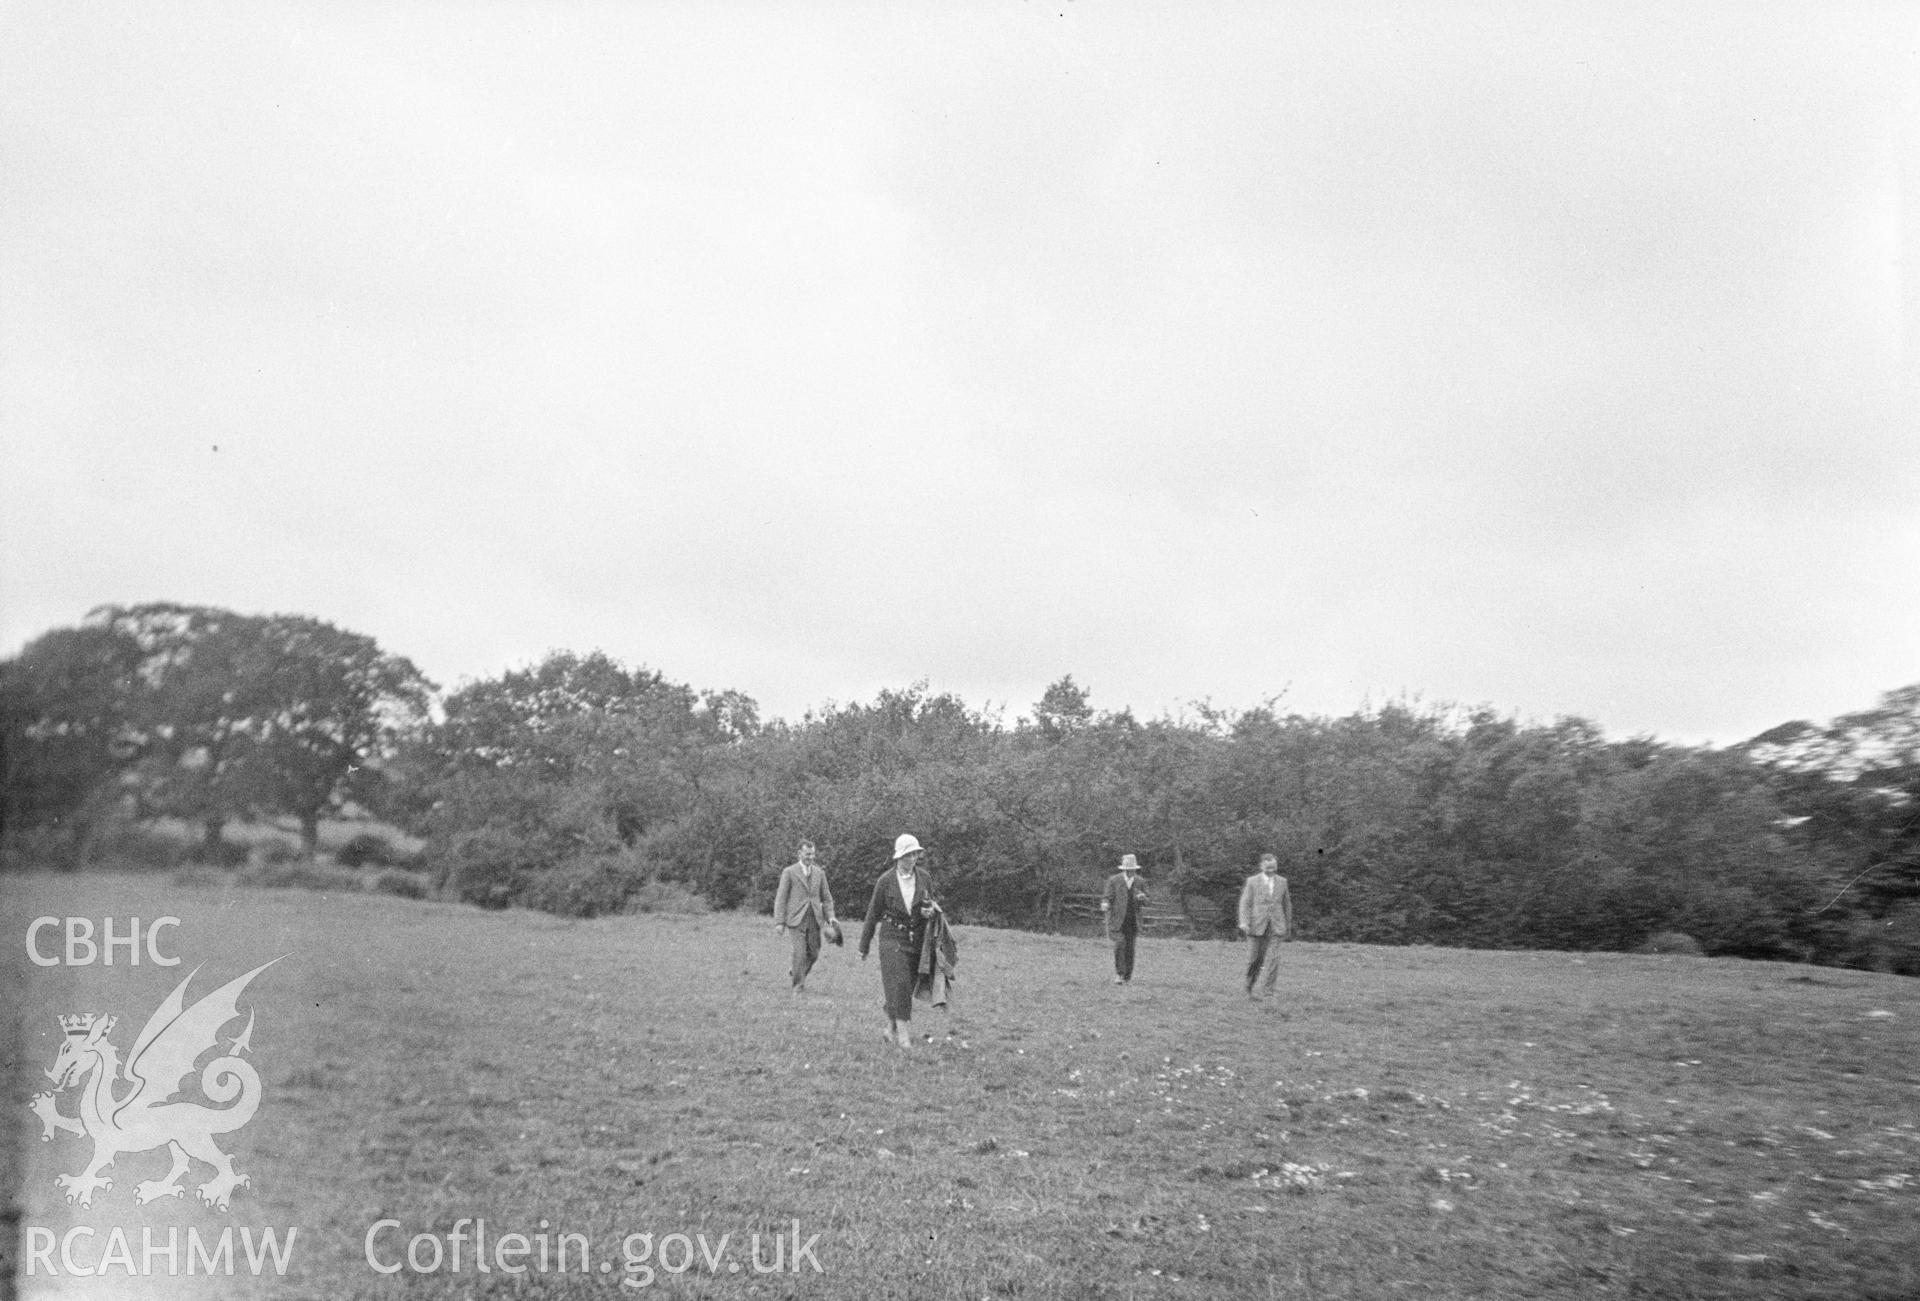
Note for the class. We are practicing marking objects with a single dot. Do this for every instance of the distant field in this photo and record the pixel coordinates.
(1404, 1122)
(334, 832)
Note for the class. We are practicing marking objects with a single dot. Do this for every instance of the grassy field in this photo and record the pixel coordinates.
(1401, 1122)
(173, 836)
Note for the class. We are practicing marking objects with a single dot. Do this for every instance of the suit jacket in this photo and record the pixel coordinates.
(1261, 912)
(795, 897)
(889, 905)
(1121, 905)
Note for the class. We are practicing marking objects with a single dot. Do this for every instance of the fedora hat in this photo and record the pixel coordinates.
(1128, 863)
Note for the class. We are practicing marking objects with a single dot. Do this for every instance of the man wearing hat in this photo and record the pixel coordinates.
(1122, 905)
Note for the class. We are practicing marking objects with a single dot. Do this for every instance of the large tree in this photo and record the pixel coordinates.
(1853, 788)
(200, 688)
(573, 759)
(238, 715)
(67, 704)
(330, 707)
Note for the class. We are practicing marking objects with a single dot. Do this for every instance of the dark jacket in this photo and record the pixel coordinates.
(888, 906)
(938, 955)
(1122, 905)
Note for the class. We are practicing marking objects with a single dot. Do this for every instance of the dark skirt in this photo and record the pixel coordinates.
(899, 957)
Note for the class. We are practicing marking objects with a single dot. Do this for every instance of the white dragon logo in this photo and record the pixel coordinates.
(144, 1118)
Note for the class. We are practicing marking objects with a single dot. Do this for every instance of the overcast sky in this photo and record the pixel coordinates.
(1559, 358)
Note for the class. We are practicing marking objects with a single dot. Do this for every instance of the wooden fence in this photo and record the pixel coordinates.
(1189, 915)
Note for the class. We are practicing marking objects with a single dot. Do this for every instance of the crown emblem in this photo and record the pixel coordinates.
(79, 1023)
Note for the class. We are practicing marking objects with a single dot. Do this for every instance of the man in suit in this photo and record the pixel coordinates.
(802, 906)
(1266, 919)
(1122, 905)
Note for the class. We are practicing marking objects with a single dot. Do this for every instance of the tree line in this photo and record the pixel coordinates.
(578, 783)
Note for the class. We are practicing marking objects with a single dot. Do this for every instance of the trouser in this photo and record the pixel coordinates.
(1123, 951)
(806, 945)
(899, 958)
(1264, 964)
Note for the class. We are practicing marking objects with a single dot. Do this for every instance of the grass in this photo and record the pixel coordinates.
(1401, 1122)
(137, 846)
(334, 832)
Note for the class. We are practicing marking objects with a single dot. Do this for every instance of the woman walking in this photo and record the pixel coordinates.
(902, 901)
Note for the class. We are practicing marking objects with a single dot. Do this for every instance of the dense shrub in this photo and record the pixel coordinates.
(141, 847)
(1673, 942)
(1890, 943)
(584, 887)
(38, 849)
(1732, 921)
(366, 849)
(656, 896)
(1900, 939)
(486, 866)
(399, 881)
(276, 851)
(300, 875)
(221, 853)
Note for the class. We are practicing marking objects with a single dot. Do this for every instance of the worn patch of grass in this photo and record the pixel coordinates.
(1412, 1121)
